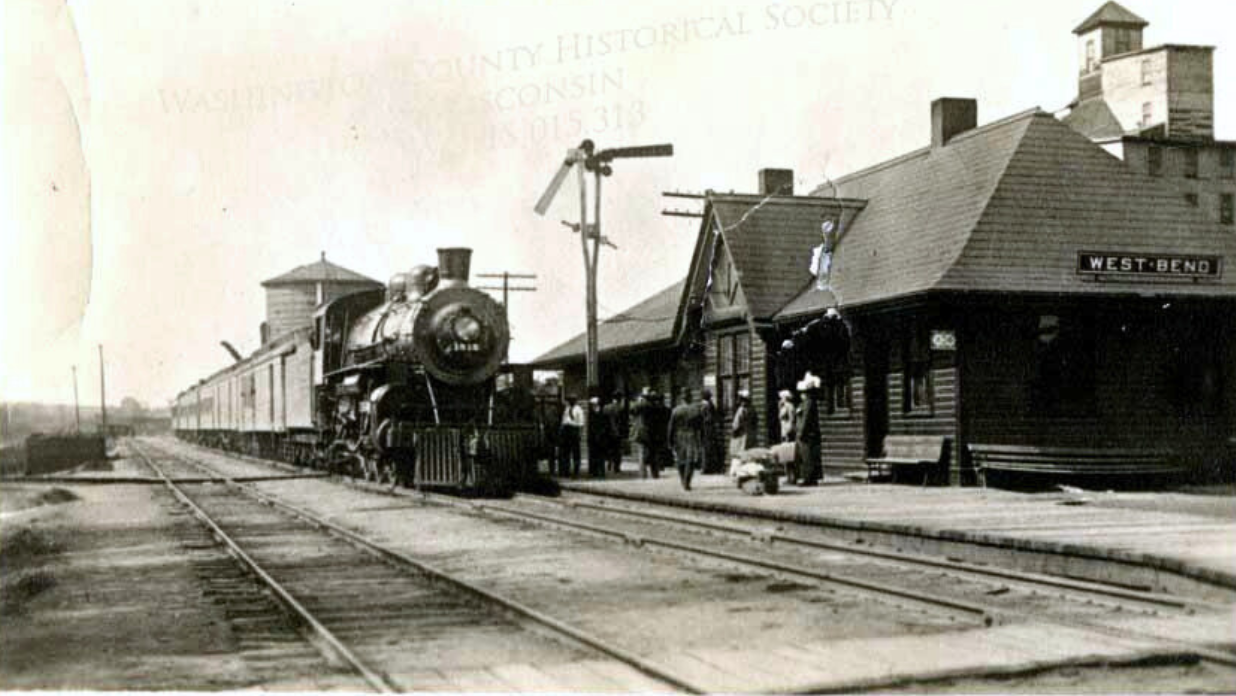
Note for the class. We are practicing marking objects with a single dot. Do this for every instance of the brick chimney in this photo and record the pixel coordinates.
(778, 182)
(951, 116)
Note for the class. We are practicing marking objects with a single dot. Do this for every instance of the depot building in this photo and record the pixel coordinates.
(1009, 285)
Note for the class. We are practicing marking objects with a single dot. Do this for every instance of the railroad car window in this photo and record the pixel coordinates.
(1226, 212)
(1154, 161)
(1227, 164)
(1064, 366)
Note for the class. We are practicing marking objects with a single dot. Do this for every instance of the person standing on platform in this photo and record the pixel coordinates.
(708, 433)
(684, 436)
(786, 415)
(742, 429)
(614, 413)
(808, 459)
(572, 426)
(599, 438)
(654, 418)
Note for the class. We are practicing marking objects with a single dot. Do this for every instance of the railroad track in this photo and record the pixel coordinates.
(382, 615)
(996, 595)
(972, 596)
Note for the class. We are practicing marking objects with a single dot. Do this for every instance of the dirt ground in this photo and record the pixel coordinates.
(69, 560)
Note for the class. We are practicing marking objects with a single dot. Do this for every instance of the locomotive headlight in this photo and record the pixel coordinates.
(466, 328)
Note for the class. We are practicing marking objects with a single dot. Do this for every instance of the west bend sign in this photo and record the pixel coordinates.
(1148, 266)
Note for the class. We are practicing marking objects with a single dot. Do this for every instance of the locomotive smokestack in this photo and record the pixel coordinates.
(453, 263)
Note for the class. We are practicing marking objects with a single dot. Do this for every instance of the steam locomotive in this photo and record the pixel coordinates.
(405, 389)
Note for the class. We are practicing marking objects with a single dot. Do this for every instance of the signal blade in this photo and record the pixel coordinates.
(542, 205)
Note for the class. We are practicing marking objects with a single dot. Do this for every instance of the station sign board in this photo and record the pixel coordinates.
(1148, 266)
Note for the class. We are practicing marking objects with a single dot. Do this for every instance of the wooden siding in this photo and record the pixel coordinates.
(843, 433)
(1138, 357)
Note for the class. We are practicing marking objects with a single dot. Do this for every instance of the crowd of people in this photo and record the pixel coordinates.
(683, 436)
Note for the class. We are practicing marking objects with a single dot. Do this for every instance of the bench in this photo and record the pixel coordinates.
(1073, 462)
(930, 453)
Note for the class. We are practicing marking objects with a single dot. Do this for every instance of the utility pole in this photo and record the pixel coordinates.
(77, 409)
(507, 289)
(102, 394)
(586, 158)
(506, 286)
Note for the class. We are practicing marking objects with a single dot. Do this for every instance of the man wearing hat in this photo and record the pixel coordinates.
(600, 436)
(708, 435)
(572, 426)
(652, 428)
(808, 459)
(742, 429)
(616, 415)
(684, 436)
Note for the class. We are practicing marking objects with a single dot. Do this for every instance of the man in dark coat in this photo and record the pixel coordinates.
(653, 424)
(615, 413)
(685, 437)
(809, 462)
(713, 461)
(600, 438)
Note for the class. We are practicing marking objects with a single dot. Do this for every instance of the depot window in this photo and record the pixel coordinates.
(1146, 72)
(1226, 211)
(917, 396)
(1147, 113)
(733, 369)
(1227, 164)
(839, 399)
(1064, 366)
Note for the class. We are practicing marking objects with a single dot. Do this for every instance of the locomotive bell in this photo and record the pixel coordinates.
(453, 264)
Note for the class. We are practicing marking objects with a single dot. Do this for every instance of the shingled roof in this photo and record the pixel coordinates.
(1094, 119)
(651, 322)
(1006, 208)
(321, 271)
(771, 240)
(1110, 13)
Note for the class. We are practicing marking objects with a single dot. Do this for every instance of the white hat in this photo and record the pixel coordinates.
(809, 381)
(744, 394)
(785, 393)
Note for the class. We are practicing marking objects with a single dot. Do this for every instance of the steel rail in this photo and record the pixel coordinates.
(379, 681)
(1203, 652)
(1213, 655)
(1028, 578)
(880, 588)
(643, 665)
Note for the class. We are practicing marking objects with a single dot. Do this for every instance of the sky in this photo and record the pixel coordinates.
(158, 160)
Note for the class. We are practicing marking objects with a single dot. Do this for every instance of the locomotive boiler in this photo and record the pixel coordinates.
(408, 383)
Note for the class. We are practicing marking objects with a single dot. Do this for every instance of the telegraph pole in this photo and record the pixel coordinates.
(507, 289)
(102, 393)
(506, 286)
(77, 409)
